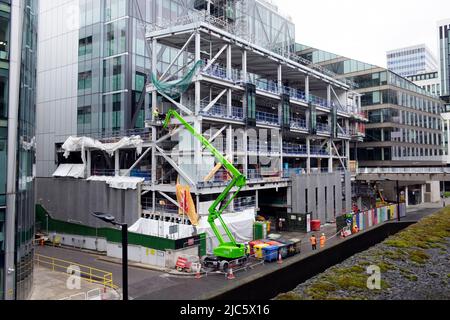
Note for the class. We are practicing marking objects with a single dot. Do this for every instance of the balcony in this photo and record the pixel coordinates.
(217, 71)
(267, 118)
(220, 111)
(323, 128)
(295, 149)
(318, 101)
(318, 151)
(267, 86)
(295, 94)
(263, 148)
(297, 123)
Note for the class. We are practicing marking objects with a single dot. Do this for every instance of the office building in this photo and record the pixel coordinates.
(301, 121)
(443, 34)
(411, 60)
(429, 81)
(18, 41)
(405, 124)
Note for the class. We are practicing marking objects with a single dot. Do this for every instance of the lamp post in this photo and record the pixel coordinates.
(112, 220)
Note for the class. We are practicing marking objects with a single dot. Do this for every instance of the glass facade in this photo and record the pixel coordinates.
(411, 61)
(5, 23)
(404, 118)
(25, 202)
(444, 51)
(113, 63)
(114, 58)
(24, 196)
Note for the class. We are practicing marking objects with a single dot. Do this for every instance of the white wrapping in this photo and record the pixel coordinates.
(239, 223)
(70, 170)
(152, 227)
(119, 182)
(73, 144)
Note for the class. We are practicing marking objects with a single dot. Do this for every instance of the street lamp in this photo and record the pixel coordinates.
(112, 220)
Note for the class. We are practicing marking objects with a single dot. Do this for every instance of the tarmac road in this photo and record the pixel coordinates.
(147, 284)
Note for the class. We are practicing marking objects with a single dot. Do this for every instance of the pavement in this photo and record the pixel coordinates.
(146, 284)
(52, 285)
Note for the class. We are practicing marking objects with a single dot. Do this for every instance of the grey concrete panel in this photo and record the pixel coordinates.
(75, 200)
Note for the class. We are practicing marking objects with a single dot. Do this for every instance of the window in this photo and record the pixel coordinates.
(84, 119)
(5, 10)
(84, 80)
(85, 46)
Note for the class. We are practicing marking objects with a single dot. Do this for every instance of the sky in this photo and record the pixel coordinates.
(366, 29)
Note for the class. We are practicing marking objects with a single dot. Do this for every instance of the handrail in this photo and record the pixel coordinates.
(93, 275)
(435, 170)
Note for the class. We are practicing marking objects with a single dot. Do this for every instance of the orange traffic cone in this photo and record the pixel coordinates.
(198, 275)
(230, 275)
(280, 259)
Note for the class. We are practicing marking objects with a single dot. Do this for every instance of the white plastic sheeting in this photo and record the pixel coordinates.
(161, 229)
(70, 170)
(119, 182)
(239, 223)
(73, 144)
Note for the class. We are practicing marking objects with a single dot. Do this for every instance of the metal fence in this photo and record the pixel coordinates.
(92, 275)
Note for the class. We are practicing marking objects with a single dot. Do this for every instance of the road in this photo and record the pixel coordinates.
(147, 284)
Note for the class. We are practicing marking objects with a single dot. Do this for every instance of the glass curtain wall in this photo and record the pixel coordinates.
(5, 22)
(25, 202)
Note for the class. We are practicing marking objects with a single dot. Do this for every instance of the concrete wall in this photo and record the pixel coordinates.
(329, 188)
(74, 200)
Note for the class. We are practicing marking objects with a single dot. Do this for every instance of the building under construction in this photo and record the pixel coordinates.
(230, 69)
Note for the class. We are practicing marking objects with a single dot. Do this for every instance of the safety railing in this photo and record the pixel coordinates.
(431, 170)
(318, 101)
(105, 172)
(297, 123)
(258, 147)
(295, 149)
(220, 111)
(237, 113)
(244, 203)
(217, 71)
(254, 174)
(267, 118)
(321, 127)
(295, 94)
(144, 133)
(93, 275)
(268, 86)
(288, 173)
(318, 151)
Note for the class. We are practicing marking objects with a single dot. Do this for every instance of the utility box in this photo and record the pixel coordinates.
(294, 222)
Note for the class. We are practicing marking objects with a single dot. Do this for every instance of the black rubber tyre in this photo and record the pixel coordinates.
(224, 266)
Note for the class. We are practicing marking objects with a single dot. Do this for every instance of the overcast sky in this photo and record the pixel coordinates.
(363, 29)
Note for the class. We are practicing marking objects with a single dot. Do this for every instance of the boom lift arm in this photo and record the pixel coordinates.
(226, 250)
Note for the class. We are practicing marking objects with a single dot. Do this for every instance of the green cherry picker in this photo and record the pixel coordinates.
(227, 252)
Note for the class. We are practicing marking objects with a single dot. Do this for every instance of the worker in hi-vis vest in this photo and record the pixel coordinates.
(156, 113)
(323, 240)
(313, 241)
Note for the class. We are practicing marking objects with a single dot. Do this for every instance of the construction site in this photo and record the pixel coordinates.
(245, 149)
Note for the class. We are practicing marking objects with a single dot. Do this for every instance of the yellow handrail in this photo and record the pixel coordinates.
(93, 275)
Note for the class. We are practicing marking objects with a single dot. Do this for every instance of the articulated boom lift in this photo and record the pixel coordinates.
(226, 251)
